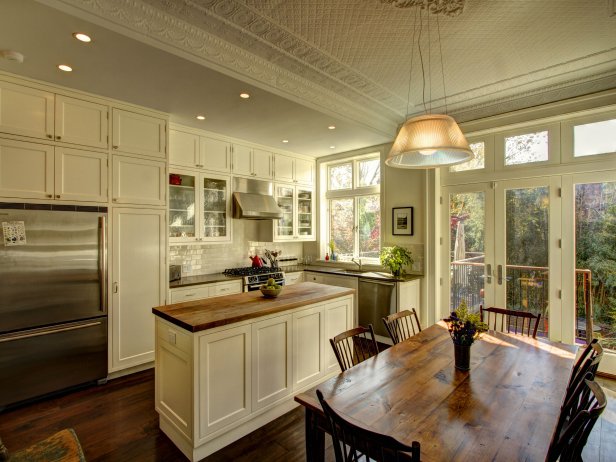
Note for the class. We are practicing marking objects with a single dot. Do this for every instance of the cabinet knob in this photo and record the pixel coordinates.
(49, 195)
(115, 147)
(115, 199)
(58, 137)
(57, 196)
(49, 136)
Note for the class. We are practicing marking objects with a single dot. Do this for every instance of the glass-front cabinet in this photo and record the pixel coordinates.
(297, 204)
(199, 207)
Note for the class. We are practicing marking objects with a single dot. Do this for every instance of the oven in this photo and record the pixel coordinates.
(253, 278)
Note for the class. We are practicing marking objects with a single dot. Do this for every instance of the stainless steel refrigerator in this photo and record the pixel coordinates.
(53, 299)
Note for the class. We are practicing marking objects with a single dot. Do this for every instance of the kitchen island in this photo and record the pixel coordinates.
(228, 365)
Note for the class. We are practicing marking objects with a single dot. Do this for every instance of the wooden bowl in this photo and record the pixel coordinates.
(270, 292)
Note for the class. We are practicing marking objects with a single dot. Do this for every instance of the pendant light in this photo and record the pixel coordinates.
(430, 140)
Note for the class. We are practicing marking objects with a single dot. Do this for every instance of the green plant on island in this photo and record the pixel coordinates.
(396, 258)
(465, 327)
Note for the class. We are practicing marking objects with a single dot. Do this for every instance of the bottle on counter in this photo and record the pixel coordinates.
(327, 257)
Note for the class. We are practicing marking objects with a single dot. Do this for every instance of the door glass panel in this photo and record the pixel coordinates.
(594, 138)
(342, 224)
(369, 172)
(477, 163)
(284, 198)
(526, 272)
(214, 207)
(527, 148)
(181, 205)
(304, 212)
(595, 247)
(369, 208)
(467, 249)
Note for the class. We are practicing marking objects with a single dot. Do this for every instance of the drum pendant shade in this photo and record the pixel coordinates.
(429, 141)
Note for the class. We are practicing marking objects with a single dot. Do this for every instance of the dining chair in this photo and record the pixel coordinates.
(587, 362)
(354, 443)
(510, 319)
(402, 325)
(354, 346)
(577, 418)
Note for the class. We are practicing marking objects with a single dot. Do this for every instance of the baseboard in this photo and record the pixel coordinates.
(130, 370)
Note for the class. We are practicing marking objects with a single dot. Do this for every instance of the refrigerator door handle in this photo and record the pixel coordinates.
(46, 331)
(102, 249)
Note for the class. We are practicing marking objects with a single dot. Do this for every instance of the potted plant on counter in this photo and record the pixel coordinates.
(464, 327)
(395, 258)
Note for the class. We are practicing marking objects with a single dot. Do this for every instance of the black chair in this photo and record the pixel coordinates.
(577, 418)
(509, 319)
(354, 442)
(588, 362)
(354, 346)
(402, 325)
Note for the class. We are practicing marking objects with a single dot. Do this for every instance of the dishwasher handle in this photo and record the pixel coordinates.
(381, 283)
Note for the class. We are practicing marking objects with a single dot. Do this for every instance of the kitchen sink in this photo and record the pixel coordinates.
(350, 271)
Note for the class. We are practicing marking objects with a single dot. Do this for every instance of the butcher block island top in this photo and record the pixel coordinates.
(198, 315)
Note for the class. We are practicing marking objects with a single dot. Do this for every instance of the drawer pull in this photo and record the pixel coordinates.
(190, 295)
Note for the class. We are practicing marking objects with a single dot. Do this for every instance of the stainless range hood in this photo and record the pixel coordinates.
(254, 200)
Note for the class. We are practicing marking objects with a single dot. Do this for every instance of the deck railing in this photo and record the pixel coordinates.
(527, 290)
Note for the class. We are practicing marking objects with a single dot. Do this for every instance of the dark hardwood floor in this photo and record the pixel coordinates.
(117, 422)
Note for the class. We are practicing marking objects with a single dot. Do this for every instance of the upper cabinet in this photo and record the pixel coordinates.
(26, 111)
(293, 169)
(251, 162)
(141, 134)
(183, 149)
(215, 154)
(297, 205)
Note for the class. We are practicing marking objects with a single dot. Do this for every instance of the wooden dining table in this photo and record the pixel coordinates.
(504, 408)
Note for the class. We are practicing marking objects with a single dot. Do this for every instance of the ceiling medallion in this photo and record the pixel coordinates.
(446, 7)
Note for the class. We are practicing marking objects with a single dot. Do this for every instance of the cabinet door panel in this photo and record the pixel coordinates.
(183, 149)
(304, 171)
(138, 275)
(224, 375)
(215, 154)
(80, 175)
(337, 320)
(139, 134)
(307, 346)
(271, 353)
(26, 170)
(138, 181)
(283, 168)
(242, 160)
(81, 122)
(262, 164)
(26, 111)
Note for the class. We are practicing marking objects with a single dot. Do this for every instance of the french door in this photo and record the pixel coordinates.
(504, 248)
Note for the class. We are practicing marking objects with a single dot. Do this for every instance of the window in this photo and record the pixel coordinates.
(477, 163)
(354, 207)
(526, 148)
(594, 138)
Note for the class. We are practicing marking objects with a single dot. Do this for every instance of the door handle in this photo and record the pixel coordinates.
(499, 271)
(488, 276)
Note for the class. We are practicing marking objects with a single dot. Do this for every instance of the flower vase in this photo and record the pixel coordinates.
(462, 356)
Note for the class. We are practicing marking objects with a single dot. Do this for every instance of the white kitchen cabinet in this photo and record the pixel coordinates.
(184, 149)
(138, 181)
(224, 359)
(81, 122)
(199, 291)
(199, 207)
(308, 346)
(215, 154)
(81, 175)
(293, 169)
(338, 317)
(140, 134)
(293, 278)
(38, 171)
(138, 283)
(409, 296)
(271, 361)
(26, 111)
(350, 282)
(250, 162)
(298, 213)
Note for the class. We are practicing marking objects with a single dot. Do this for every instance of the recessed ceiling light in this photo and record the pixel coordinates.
(332, 147)
(201, 117)
(65, 68)
(82, 37)
(244, 95)
(285, 141)
(12, 55)
(332, 127)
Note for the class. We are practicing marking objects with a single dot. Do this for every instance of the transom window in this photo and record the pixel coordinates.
(594, 138)
(526, 148)
(354, 207)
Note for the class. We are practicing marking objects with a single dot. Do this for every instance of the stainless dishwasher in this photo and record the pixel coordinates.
(377, 299)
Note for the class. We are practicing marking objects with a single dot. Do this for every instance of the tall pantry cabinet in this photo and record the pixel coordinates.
(64, 147)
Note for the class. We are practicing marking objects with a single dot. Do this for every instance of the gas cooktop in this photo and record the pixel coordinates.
(250, 271)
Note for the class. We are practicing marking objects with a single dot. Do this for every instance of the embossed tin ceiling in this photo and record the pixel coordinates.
(315, 62)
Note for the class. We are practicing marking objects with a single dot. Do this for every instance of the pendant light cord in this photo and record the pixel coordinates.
(438, 28)
(408, 94)
(423, 71)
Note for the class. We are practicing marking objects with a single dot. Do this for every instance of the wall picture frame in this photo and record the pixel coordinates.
(402, 221)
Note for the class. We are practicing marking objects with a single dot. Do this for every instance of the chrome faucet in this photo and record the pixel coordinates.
(357, 262)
